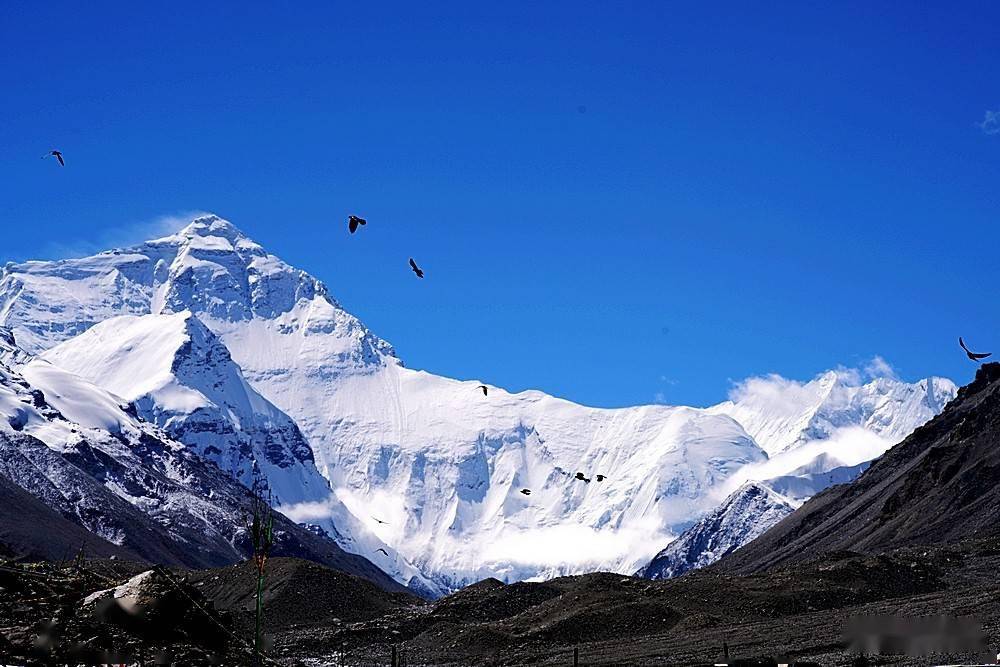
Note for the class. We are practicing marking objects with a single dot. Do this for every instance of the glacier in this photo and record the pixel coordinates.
(242, 357)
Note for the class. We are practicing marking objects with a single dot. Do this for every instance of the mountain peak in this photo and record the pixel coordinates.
(209, 224)
(210, 233)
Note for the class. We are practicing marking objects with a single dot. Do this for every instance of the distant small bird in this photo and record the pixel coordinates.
(380, 520)
(601, 478)
(580, 477)
(972, 355)
(57, 155)
(416, 269)
(526, 492)
(384, 551)
(483, 387)
(353, 222)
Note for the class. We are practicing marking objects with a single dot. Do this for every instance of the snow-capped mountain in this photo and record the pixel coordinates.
(438, 464)
(91, 459)
(749, 512)
(178, 375)
(783, 414)
(423, 466)
(818, 434)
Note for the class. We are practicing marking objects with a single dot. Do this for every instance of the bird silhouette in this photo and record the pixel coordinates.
(416, 269)
(601, 478)
(970, 354)
(353, 222)
(380, 520)
(57, 155)
(526, 492)
(580, 477)
(384, 551)
(483, 387)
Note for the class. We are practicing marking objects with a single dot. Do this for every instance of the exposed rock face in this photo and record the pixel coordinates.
(744, 515)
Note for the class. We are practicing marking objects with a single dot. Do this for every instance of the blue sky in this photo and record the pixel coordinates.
(613, 202)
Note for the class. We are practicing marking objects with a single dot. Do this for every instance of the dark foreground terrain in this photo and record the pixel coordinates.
(317, 616)
(798, 613)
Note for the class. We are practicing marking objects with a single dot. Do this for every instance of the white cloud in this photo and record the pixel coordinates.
(309, 512)
(779, 395)
(575, 547)
(788, 396)
(880, 368)
(852, 445)
(991, 122)
(122, 236)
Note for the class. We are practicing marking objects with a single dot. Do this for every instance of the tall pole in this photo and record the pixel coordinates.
(261, 530)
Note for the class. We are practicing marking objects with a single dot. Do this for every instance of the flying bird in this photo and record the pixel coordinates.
(526, 492)
(384, 551)
(380, 520)
(601, 478)
(57, 155)
(580, 477)
(353, 222)
(972, 355)
(483, 387)
(416, 269)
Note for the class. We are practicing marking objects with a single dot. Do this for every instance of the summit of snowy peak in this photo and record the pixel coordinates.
(210, 224)
(210, 232)
(208, 267)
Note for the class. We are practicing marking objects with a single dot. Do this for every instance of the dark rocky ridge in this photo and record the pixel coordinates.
(69, 485)
(21, 515)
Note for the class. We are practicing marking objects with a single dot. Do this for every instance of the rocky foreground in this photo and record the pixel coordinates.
(90, 612)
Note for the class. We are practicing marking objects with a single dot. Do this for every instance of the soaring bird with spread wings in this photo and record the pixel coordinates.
(975, 356)
(353, 222)
(57, 155)
(416, 269)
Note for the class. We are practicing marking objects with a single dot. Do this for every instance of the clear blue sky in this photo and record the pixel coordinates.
(611, 200)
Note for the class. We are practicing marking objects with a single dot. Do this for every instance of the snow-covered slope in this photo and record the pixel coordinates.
(423, 464)
(91, 459)
(179, 376)
(749, 512)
